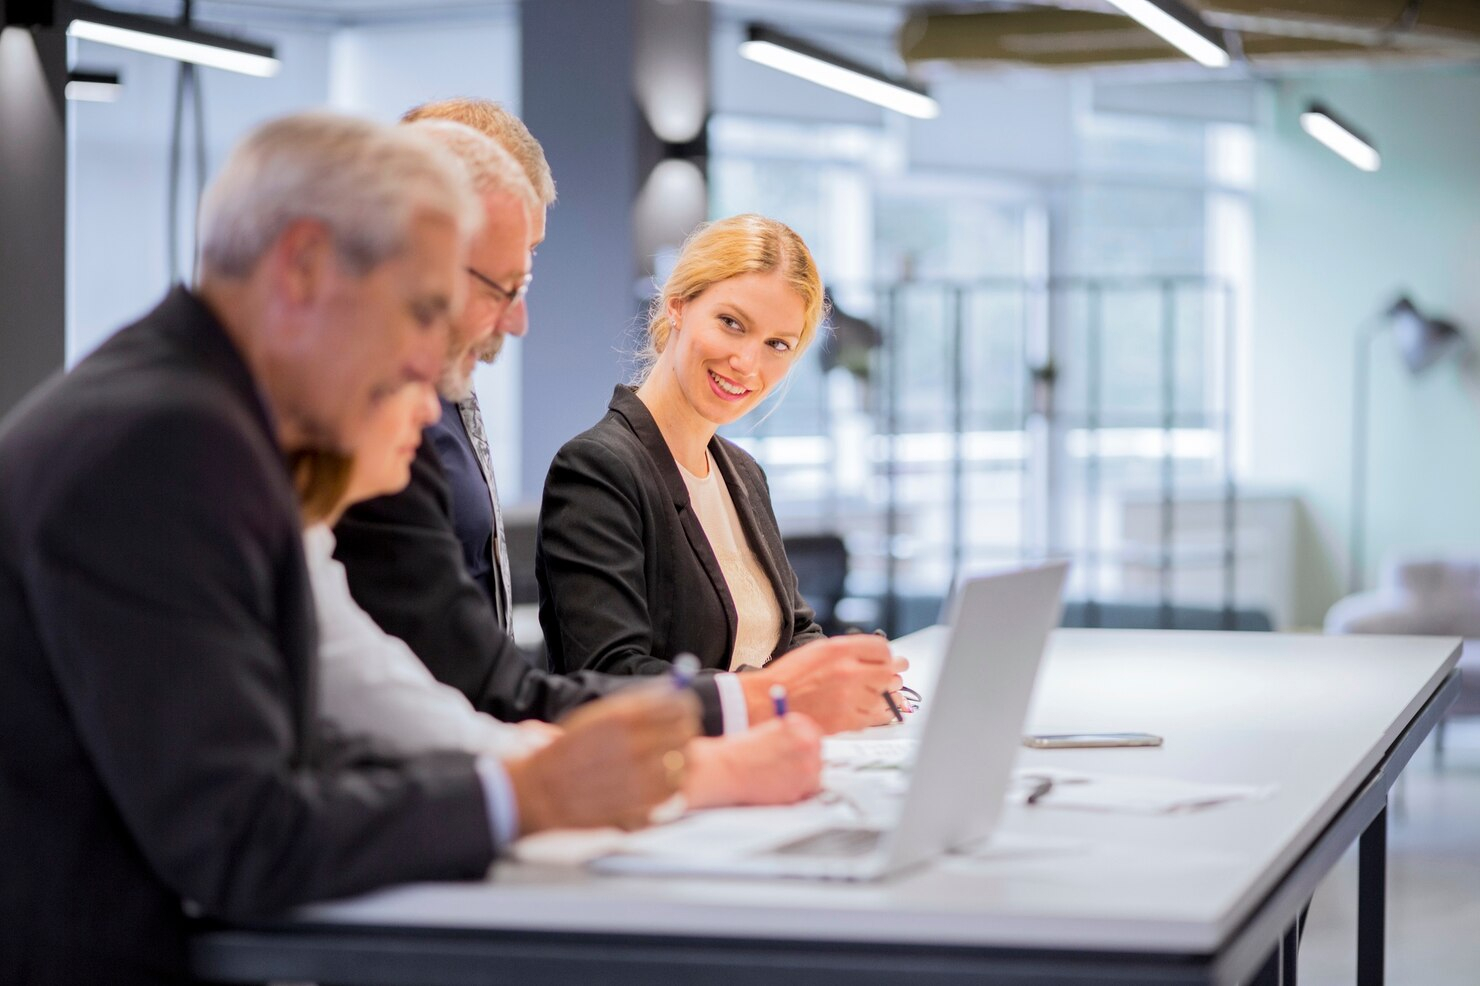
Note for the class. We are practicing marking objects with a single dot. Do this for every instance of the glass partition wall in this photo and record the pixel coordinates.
(1015, 370)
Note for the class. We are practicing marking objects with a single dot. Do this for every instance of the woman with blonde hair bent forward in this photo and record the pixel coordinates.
(656, 536)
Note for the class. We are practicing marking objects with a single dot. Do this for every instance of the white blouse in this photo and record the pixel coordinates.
(373, 684)
(757, 611)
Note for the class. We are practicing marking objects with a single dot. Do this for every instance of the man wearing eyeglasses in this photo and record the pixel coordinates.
(427, 563)
(460, 443)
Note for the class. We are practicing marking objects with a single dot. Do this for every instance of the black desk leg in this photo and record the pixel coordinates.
(1290, 956)
(1280, 968)
(1372, 901)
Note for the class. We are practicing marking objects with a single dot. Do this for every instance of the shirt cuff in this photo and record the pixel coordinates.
(498, 795)
(732, 703)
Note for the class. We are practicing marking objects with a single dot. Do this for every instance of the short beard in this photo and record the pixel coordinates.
(488, 352)
(453, 386)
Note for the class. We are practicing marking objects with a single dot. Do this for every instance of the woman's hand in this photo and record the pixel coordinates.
(615, 760)
(775, 763)
(840, 682)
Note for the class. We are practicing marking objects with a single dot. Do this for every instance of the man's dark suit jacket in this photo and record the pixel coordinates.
(405, 567)
(472, 503)
(627, 578)
(157, 712)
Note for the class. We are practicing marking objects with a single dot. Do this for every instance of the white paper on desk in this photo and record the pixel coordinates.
(1130, 793)
(567, 847)
(714, 832)
(895, 753)
(724, 832)
(733, 832)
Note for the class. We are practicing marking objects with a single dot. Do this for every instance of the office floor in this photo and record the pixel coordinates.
(1433, 879)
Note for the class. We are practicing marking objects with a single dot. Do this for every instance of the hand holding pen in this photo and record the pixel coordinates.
(894, 709)
(837, 681)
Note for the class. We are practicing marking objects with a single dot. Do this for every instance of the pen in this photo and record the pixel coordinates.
(685, 668)
(1041, 787)
(893, 705)
(778, 700)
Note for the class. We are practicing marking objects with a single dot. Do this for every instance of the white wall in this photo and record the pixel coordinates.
(381, 71)
(117, 252)
(1012, 124)
(1334, 246)
(119, 160)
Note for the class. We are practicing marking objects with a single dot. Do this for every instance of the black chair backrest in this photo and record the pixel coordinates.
(520, 525)
(821, 564)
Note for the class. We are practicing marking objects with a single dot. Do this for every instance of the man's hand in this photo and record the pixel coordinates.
(616, 759)
(840, 682)
(773, 764)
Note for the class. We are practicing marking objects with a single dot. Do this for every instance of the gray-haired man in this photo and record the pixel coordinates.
(158, 729)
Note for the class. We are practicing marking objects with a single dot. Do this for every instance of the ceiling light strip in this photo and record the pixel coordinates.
(796, 57)
(1327, 128)
(1180, 27)
(93, 87)
(155, 36)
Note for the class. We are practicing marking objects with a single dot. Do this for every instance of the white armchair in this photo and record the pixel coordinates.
(1431, 597)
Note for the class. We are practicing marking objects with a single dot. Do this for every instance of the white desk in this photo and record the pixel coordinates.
(1192, 898)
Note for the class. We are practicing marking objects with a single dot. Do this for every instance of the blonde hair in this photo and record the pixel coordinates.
(365, 182)
(492, 120)
(321, 480)
(726, 248)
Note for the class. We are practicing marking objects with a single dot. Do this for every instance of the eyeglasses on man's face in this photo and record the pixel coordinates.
(509, 297)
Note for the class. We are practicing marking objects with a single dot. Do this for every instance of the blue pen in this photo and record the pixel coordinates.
(778, 700)
(685, 669)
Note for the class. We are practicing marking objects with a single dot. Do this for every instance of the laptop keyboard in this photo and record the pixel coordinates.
(833, 842)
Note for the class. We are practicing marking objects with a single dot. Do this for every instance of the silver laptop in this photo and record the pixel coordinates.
(975, 713)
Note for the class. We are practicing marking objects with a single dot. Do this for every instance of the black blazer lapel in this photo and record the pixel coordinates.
(625, 403)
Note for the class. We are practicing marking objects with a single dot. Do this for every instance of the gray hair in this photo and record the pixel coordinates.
(366, 182)
(490, 167)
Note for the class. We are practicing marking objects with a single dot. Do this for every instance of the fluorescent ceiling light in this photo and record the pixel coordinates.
(1325, 127)
(155, 36)
(807, 61)
(93, 87)
(1180, 27)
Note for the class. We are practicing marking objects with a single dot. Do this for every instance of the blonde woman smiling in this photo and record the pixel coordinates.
(657, 537)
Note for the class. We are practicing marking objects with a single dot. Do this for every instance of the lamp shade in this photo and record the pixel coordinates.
(1421, 341)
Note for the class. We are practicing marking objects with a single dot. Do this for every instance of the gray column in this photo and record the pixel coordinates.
(579, 61)
(33, 208)
(576, 98)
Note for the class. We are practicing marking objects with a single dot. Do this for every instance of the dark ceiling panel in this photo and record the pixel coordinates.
(1066, 38)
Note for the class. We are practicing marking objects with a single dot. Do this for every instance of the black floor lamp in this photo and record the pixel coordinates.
(1422, 342)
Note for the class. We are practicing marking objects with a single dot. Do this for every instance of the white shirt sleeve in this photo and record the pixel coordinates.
(372, 683)
(732, 710)
(498, 795)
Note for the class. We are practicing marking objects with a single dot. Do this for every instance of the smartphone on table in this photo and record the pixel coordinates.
(1085, 741)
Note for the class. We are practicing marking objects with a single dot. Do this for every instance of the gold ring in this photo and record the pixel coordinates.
(674, 764)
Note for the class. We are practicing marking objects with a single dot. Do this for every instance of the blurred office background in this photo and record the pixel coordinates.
(1108, 303)
(1106, 308)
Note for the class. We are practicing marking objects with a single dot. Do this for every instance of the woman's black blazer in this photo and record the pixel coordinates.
(627, 578)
